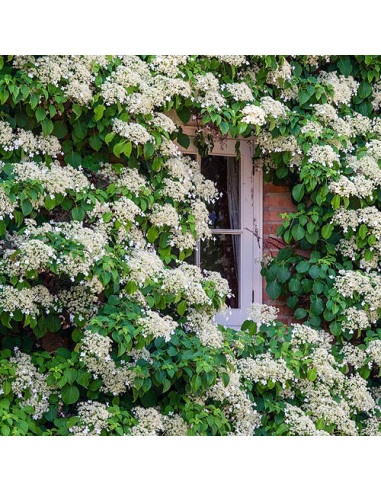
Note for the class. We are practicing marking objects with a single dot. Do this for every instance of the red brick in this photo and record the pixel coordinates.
(272, 188)
(278, 201)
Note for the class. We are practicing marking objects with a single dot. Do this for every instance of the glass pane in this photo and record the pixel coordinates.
(221, 253)
(224, 172)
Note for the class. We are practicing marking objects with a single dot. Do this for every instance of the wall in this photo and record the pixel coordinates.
(276, 199)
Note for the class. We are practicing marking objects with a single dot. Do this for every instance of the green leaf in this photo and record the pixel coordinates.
(224, 126)
(364, 90)
(327, 230)
(317, 306)
(40, 114)
(71, 375)
(181, 307)
(60, 129)
(70, 394)
(273, 290)
(297, 232)
(345, 66)
(78, 214)
(300, 313)
(149, 150)
(152, 234)
(109, 137)
(312, 374)
(298, 192)
(225, 378)
(26, 207)
(95, 142)
(47, 127)
(183, 140)
(98, 112)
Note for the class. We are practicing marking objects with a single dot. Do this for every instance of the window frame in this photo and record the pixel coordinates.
(251, 210)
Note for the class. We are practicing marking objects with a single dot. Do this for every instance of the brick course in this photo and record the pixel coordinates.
(276, 200)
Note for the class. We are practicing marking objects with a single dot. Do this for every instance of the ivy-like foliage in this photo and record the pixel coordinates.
(106, 327)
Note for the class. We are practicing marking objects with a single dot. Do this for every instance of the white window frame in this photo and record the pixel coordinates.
(251, 207)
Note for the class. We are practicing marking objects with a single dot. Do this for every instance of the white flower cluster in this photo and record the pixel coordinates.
(93, 417)
(164, 215)
(323, 154)
(205, 328)
(75, 73)
(131, 131)
(265, 368)
(239, 92)
(300, 423)
(26, 140)
(29, 384)
(344, 87)
(207, 91)
(374, 351)
(30, 301)
(162, 121)
(312, 128)
(54, 178)
(153, 325)
(238, 406)
(302, 334)
(355, 320)
(254, 115)
(262, 313)
(274, 108)
(150, 422)
(144, 265)
(281, 74)
(95, 354)
(91, 243)
(287, 143)
(7, 207)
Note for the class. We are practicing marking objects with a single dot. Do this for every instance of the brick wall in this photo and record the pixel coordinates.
(276, 199)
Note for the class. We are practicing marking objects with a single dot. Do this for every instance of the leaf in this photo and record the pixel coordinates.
(297, 232)
(47, 127)
(317, 306)
(183, 140)
(95, 142)
(283, 274)
(152, 234)
(149, 150)
(26, 207)
(298, 192)
(312, 374)
(345, 66)
(225, 378)
(224, 126)
(181, 307)
(300, 313)
(98, 112)
(109, 137)
(303, 96)
(364, 90)
(184, 114)
(71, 375)
(327, 230)
(78, 214)
(60, 129)
(70, 394)
(273, 289)
(40, 114)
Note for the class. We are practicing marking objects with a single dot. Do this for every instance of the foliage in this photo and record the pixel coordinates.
(99, 218)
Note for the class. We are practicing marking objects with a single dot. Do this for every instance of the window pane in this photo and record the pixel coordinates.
(221, 253)
(224, 172)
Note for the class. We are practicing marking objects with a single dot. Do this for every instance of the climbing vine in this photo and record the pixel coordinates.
(106, 326)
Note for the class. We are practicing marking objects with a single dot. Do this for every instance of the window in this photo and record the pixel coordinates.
(236, 224)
